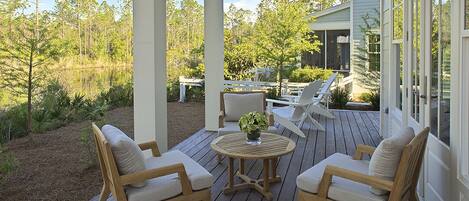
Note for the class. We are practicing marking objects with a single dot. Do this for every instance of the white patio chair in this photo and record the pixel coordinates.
(294, 115)
(323, 97)
(321, 101)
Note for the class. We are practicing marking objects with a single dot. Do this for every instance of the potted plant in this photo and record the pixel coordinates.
(252, 124)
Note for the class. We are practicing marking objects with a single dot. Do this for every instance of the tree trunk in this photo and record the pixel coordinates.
(279, 78)
(30, 93)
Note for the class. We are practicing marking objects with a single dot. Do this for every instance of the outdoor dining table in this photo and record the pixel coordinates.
(234, 146)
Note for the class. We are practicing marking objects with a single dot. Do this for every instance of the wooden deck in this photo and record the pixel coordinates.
(342, 134)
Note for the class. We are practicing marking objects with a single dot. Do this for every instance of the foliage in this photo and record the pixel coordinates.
(117, 96)
(367, 68)
(172, 90)
(55, 107)
(7, 162)
(339, 98)
(282, 33)
(272, 93)
(25, 55)
(86, 140)
(372, 98)
(240, 56)
(310, 74)
(253, 122)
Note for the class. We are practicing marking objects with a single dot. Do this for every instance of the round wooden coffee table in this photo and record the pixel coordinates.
(234, 146)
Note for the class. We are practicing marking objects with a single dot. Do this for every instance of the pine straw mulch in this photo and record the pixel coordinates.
(54, 167)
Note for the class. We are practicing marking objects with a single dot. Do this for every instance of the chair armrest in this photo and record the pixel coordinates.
(221, 119)
(361, 150)
(150, 145)
(331, 171)
(158, 172)
(289, 103)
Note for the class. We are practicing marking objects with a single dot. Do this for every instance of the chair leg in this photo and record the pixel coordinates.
(219, 158)
(321, 110)
(104, 193)
(316, 123)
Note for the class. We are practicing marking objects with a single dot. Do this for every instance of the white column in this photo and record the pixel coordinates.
(150, 106)
(214, 60)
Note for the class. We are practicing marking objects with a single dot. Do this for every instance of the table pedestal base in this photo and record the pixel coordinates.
(260, 185)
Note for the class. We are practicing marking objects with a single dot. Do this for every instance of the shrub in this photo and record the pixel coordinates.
(7, 162)
(172, 90)
(309, 74)
(195, 93)
(117, 96)
(372, 98)
(272, 93)
(13, 122)
(339, 98)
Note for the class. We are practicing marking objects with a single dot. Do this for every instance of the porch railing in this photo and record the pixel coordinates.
(288, 88)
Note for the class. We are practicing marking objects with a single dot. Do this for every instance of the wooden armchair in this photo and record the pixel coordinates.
(233, 125)
(402, 188)
(118, 184)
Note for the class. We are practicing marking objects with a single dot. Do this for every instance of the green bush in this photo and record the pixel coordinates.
(54, 107)
(309, 74)
(117, 96)
(339, 98)
(372, 98)
(195, 93)
(7, 162)
(272, 93)
(13, 122)
(172, 90)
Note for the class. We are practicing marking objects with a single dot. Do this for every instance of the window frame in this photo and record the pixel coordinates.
(377, 51)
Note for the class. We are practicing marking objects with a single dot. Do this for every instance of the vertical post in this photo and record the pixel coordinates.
(325, 49)
(150, 104)
(214, 61)
(182, 90)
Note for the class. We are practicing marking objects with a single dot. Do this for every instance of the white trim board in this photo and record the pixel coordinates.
(341, 25)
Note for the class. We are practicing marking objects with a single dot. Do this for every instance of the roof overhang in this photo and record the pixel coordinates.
(331, 10)
(341, 25)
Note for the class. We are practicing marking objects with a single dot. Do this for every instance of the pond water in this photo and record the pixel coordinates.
(92, 81)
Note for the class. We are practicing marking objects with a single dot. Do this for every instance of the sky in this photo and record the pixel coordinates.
(245, 4)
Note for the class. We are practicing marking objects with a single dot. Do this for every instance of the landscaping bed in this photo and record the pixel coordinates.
(56, 166)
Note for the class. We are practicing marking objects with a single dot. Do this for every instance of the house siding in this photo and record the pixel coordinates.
(360, 8)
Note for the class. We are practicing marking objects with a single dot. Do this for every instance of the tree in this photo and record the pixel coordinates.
(282, 33)
(25, 56)
(240, 54)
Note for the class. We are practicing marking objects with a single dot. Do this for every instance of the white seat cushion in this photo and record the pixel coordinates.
(387, 155)
(165, 187)
(341, 189)
(128, 155)
(237, 105)
(233, 127)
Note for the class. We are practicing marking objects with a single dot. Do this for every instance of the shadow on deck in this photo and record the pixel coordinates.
(342, 134)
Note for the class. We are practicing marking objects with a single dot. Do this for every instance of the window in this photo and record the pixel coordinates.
(466, 14)
(397, 36)
(441, 70)
(338, 50)
(374, 52)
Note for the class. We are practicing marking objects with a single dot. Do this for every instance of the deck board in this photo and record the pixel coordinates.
(342, 134)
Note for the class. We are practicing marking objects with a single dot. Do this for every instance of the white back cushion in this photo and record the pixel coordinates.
(128, 155)
(237, 105)
(385, 159)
